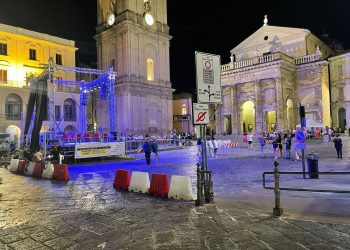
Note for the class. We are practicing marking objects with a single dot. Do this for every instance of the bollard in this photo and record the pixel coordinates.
(277, 210)
(208, 189)
(199, 201)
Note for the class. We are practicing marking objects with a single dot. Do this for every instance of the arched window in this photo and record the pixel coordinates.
(150, 70)
(69, 110)
(183, 109)
(13, 107)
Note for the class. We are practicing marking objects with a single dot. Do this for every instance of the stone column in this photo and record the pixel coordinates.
(258, 109)
(220, 118)
(347, 102)
(279, 105)
(235, 111)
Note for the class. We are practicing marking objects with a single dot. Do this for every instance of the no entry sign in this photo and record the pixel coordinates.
(200, 114)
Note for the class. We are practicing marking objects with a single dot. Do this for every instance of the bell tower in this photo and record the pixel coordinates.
(133, 37)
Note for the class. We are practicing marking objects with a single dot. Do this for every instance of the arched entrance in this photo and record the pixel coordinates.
(15, 134)
(290, 115)
(248, 116)
(342, 119)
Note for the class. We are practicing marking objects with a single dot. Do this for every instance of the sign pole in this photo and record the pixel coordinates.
(302, 125)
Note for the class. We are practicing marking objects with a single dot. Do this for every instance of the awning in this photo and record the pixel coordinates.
(312, 124)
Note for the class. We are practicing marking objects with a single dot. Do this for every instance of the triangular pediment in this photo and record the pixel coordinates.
(268, 35)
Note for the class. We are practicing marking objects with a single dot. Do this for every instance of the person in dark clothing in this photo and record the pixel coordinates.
(154, 147)
(338, 144)
(288, 146)
(275, 146)
(55, 152)
(147, 150)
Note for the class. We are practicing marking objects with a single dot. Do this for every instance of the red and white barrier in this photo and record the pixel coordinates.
(13, 165)
(159, 185)
(122, 179)
(180, 188)
(30, 168)
(21, 167)
(48, 171)
(139, 182)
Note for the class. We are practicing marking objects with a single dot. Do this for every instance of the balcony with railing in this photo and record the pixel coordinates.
(14, 84)
(11, 117)
(270, 58)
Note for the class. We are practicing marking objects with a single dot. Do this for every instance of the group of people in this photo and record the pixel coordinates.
(212, 145)
(149, 147)
(286, 139)
(38, 157)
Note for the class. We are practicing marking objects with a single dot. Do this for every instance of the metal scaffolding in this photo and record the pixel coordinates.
(105, 83)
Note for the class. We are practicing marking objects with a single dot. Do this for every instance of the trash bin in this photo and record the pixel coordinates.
(312, 164)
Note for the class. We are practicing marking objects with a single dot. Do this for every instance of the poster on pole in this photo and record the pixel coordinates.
(208, 71)
(200, 114)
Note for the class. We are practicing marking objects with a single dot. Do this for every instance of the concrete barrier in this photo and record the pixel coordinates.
(13, 165)
(139, 182)
(30, 168)
(180, 188)
(48, 171)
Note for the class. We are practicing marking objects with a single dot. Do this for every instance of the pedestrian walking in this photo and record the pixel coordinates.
(210, 148)
(262, 143)
(215, 145)
(338, 144)
(147, 150)
(274, 147)
(154, 147)
(199, 146)
(250, 140)
(288, 146)
(280, 146)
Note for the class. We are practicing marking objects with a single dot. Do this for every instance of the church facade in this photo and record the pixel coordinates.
(133, 37)
(275, 70)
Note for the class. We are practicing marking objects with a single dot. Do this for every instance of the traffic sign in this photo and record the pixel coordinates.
(200, 113)
(208, 69)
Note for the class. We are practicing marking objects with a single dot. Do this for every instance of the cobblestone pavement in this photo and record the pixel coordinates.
(87, 213)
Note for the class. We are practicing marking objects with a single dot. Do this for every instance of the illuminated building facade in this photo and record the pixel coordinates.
(182, 110)
(24, 53)
(275, 70)
(133, 37)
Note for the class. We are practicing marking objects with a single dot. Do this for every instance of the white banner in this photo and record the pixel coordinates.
(97, 149)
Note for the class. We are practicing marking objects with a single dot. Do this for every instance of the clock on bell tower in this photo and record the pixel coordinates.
(133, 37)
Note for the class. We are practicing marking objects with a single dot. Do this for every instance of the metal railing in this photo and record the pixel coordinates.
(277, 210)
(135, 146)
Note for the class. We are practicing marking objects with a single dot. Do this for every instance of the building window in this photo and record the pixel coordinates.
(59, 59)
(69, 110)
(3, 75)
(32, 54)
(183, 109)
(13, 107)
(57, 112)
(150, 70)
(3, 49)
(340, 71)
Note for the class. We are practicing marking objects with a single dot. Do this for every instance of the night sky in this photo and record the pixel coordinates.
(194, 25)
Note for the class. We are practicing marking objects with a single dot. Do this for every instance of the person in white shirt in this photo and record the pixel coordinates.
(250, 140)
(215, 146)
